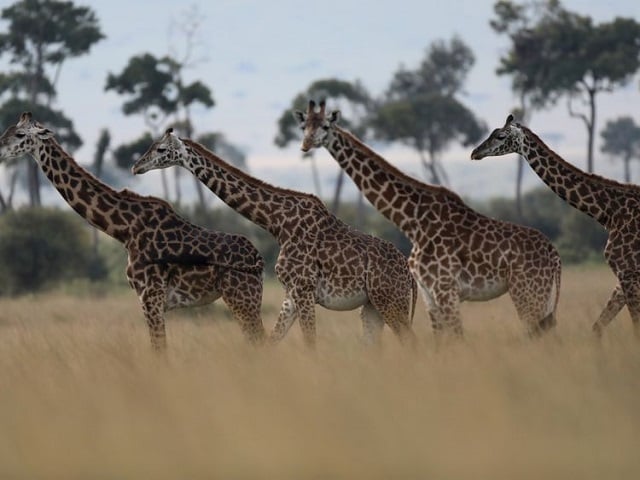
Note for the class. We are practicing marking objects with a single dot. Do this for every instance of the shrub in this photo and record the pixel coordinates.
(42, 246)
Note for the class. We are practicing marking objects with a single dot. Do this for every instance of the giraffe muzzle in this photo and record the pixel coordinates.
(476, 155)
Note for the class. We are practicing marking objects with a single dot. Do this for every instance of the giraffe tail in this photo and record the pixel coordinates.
(554, 295)
(414, 297)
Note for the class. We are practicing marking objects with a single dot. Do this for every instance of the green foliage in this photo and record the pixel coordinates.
(154, 86)
(217, 142)
(126, 154)
(558, 53)
(40, 36)
(582, 239)
(53, 29)
(41, 246)
(577, 236)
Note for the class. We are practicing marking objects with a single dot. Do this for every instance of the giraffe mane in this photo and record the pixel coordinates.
(591, 176)
(385, 165)
(209, 155)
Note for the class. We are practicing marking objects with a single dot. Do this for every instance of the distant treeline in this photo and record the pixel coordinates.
(43, 247)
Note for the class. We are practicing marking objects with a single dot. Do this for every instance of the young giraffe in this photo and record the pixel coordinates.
(172, 263)
(458, 254)
(321, 261)
(614, 205)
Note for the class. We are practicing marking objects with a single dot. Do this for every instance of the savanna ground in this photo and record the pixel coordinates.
(82, 396)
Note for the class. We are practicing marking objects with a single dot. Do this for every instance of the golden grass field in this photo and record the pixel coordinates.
(82, 396)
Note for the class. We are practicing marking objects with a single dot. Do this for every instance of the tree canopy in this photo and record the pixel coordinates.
(41, 35)
(621, 138)
(556, 53)
(421, 108)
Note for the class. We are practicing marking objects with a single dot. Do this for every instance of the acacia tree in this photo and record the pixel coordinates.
(556, 54)
(621, 137)
(41, 36)
(156, 89)
(355, 104)
(420, 107)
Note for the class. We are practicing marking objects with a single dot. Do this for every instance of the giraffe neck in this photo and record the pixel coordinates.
(96, 202)
(596, 196)
(283, 213)
(398, 197)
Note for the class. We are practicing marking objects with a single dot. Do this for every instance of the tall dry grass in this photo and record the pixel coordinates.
(82, 396)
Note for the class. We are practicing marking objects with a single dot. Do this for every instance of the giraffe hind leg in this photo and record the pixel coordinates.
(631, 289)
(244, 303)
(372, 324)
(535, 300)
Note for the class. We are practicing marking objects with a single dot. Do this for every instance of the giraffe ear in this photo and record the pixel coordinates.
(300, 117)
(44, 133)
(334, 116)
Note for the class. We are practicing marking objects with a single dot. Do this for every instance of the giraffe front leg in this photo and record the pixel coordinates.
(153, 306)
(631, 289)
(286, 317)
(615, 303)
(443, 304)
(305, 302)
(372, 324)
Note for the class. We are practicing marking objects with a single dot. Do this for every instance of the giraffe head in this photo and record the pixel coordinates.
(23, 137)
(508, 139)
(167, 151)
(315, 125)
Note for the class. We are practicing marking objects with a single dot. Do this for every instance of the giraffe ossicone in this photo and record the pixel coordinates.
(171, 262)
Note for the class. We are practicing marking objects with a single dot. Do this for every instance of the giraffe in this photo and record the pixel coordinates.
(614, 205)
(457, 253)
(171, 263)
(321, 261)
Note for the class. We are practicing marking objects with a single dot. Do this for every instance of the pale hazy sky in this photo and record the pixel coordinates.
(256, 55)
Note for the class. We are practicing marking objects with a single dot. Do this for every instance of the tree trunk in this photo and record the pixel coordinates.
(360, 211)
(33, 183)
(591, 125)
(165, 185)
(200, 192)
(627, 169)
(178, 189)
(519, 173)
(338, 191)
(315, 176)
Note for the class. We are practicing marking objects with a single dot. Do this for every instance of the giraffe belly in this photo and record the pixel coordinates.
(482, 290)
(340, 298)
(177, 298)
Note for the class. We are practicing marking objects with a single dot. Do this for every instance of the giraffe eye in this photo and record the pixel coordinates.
(161, 150)
(21, 135)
